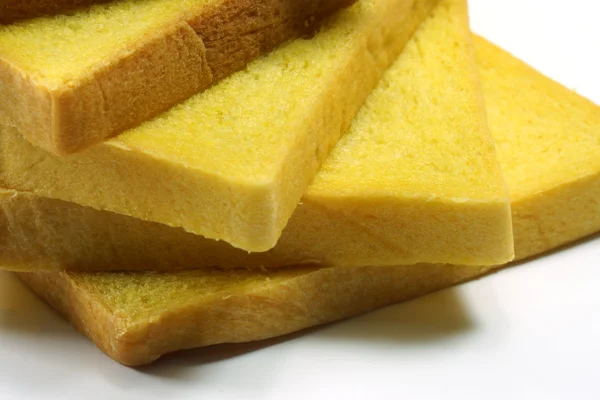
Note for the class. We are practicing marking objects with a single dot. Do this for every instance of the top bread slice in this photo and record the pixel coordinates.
(12, 10)
(411, 182)
(233, 162)
(70, 81)
(137, 317)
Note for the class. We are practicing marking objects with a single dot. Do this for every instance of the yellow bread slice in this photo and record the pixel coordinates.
(425, 208)
(232, 163)
(12, 10)
(136, 317)
(70, 81)
(548, 143)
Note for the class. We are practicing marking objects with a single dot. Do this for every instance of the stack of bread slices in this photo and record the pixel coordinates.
(182, 173)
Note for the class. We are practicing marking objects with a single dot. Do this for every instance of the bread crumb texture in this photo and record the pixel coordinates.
(548, 142)
(424, 125)
(59, 49)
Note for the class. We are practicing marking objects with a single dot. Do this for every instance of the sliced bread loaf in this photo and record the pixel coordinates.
(412, 181)
(547, 141)
(233, 162)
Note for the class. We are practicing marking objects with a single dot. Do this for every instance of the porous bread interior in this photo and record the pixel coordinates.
(139, 296)
(424, 125)
(60, 49)
(548, 140)
(187, 314)
(545, 136)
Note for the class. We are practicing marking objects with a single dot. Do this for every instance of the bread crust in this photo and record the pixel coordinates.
(14, 10)
(160, 72)
(305, 298)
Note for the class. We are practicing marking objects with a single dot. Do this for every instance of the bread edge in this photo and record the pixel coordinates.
(14, 10)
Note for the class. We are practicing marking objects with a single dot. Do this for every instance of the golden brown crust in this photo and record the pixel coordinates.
(161, 72)
(551, 220)
(130, 91)
(168, 68)
(244, 29)
(305, 299)
(13, 10)
(22, 102)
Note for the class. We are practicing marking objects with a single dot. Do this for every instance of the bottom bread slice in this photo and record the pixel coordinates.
(137, 317)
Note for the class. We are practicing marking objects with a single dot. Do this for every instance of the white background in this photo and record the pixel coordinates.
(529, 332)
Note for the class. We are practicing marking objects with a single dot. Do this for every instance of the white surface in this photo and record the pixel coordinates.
(528, 332)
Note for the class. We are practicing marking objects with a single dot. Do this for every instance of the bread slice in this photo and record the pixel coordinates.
(12, 10)
(232, 163)
(548, 143)
(425, 209)
(137, 317)
(70, 81)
